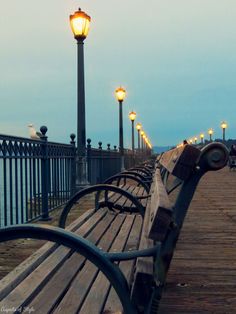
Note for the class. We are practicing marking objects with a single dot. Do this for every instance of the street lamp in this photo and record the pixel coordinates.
(224, 126)
(120, 95)
(210, 132)
(195, 140)
(80, 22)
(132, 116)
(202, 137)
(138, 127)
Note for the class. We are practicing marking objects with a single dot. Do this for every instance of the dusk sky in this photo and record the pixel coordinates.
(175, 58)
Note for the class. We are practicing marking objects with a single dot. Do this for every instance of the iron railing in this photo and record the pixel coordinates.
(37, 176)
(102, 164)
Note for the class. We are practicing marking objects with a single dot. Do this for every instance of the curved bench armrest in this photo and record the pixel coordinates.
(148, 172)
(143, 178)
(83, 247)
(98, 188)
(120, 176)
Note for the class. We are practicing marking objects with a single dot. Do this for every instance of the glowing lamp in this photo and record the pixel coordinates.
(224, 125)
(132, 115)
(120, 94)
(79, 23)
(138, 126)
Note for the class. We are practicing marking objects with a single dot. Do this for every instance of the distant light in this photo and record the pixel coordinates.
(224, 125)
(80, 23)
(202, 135)
(120, 93)
(138, 126)
(210, 131)
(132, 115)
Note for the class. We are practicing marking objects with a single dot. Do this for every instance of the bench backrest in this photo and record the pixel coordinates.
(187, 165)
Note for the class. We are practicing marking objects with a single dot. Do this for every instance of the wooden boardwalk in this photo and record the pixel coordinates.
(202, 277)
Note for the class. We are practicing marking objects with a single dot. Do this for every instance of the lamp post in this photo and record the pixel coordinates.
(210, 132)
(145, 143)
(195, 140)
(142, 140)
(132, 116)
(120, 95)
(138, 127)
(224, 126)
(202, 137)
(80, 22)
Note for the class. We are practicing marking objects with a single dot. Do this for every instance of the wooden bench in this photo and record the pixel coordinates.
(136, 181)
(123, 257)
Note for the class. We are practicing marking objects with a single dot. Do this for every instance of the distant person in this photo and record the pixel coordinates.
(232, 151)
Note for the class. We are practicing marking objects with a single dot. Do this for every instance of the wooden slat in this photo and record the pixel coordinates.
(113, 303)
(100, 288)
(83, 281)
(103, 235)
(143, 277)
(180, 161)
(160, 210)
(127, 202)
(10, 281)
(122, 200)
(39, 276)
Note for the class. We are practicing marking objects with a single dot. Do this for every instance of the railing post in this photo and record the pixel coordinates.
(89, 159)
(44, 174)
(73, 166)
(100, 162)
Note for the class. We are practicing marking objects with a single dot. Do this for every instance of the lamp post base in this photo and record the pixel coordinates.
(81, 173)
(122, 167)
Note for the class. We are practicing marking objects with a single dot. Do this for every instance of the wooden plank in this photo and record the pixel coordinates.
(39, 276)
(143, 277)
(103, 235)
(78, 290)
(100, 288)
(160, 210)
(113, 303)
(180, 161)
(134, 191)
(10, 281)
(123, 199)
(204, 259)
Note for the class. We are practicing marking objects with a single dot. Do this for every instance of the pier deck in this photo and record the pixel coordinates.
(202, 276)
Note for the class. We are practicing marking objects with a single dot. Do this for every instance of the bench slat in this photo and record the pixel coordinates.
(113, 302)
(66, 277)
(100, 288)
(160, 210)
(180, 161)
(39, 276)
(11, 280)
(143, 277)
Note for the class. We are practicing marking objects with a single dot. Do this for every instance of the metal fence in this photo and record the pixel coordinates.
(102, 164)
(36, 176)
